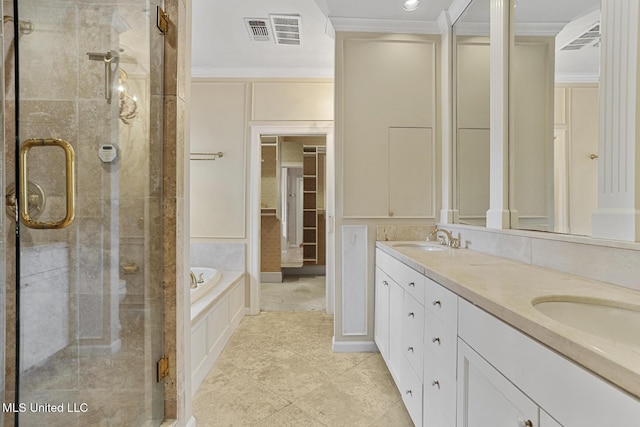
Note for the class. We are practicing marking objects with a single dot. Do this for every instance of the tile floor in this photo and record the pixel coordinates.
(278, 370)
(295, 293)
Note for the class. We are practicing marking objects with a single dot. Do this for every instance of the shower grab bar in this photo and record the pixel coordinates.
(70, 184)
(108, 58)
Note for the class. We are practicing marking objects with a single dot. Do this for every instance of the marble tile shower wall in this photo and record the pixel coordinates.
(124, 199)
(221, 256)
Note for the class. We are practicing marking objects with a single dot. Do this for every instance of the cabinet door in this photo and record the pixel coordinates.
(381, 327)
(487, 398)
(396, 316)
(411, 172)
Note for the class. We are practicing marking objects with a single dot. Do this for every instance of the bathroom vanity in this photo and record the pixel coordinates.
(472, 340)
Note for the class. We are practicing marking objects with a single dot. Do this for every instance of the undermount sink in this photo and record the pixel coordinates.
(608, 319)
(422, 246)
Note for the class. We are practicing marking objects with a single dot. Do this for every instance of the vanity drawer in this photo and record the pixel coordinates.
(413, 333)
(439, 396)
(410, 388)
(410, 280)
(442, 303)
(441, 343)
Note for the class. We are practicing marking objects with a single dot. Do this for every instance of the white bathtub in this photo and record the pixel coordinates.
(210, 278)
(215, 314)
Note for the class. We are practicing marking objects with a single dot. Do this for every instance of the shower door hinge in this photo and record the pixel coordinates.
(163, 368)
(162, 21)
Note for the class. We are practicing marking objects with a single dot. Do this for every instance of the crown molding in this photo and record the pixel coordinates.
(444, 22)
(401, 26)
(457, 8)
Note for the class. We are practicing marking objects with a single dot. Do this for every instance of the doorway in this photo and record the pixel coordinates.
(82, 162)
(266, 210)
(293, 231)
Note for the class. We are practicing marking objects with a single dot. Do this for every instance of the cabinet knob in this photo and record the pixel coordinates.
(384, 282)
(524, 423)
(435, 383)
(409, 392)
(436, 339)
(412, 314)
(437, 302)
(412, 284)
(410, 349)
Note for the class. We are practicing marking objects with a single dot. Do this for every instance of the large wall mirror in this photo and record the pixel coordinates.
(471, 113)
(554, 115)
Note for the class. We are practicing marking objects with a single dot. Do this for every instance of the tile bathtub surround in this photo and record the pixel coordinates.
(403, 232)
(221, 256)
(279, 370)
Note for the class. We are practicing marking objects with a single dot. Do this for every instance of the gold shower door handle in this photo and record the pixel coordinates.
(70, 159)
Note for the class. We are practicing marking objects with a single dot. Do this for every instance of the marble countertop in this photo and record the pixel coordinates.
(506, 289)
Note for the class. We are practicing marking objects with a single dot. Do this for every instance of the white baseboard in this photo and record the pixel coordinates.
(353, 346)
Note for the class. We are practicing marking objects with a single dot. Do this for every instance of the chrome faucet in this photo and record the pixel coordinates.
(448, 239)
(194, 281)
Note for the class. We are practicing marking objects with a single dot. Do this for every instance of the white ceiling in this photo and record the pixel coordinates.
(221, 45)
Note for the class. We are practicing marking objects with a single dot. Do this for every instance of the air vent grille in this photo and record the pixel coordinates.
(258, 29)
(286, 29)
(591, 37)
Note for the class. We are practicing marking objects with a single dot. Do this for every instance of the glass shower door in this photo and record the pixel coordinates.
(88, 256)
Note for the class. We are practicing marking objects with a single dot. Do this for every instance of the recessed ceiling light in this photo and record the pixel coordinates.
(411, 5)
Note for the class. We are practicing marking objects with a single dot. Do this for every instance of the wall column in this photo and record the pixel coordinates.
(498, 214)
(448, 212)
(618, 213)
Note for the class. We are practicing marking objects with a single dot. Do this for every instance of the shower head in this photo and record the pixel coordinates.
(25, 27)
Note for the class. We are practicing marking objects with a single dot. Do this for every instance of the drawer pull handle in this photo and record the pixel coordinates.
(437, 302)
(523, 423)
(412, 284)
(436, 339)
(412, 314)
(409, 392)
(384, 282)
(436, 383)
(410, 349)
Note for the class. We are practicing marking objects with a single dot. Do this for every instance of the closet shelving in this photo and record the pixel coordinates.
(310, 213)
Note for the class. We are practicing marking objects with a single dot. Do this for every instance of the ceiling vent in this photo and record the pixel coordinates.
(286, 29)
(258, 29)
(591, 37)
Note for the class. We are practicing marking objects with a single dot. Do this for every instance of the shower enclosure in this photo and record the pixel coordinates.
(81, 239)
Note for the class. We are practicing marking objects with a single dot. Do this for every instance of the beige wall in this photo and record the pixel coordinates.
(222, 113)
(387, 141)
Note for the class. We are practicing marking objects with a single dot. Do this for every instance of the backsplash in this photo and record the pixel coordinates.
(403, 232)
(603, 260)
(221, 256)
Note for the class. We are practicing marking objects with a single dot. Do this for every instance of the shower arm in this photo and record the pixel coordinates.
(108, 58)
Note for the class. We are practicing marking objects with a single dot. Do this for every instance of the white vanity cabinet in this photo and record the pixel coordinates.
(381, 307)
(487, 398)
(506, 378)
(440, 342)
(403, 323)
